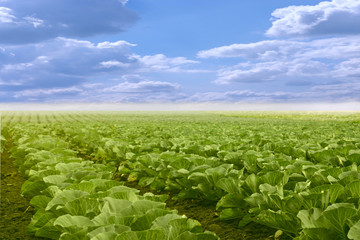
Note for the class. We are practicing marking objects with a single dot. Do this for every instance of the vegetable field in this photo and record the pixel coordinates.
(162, 175)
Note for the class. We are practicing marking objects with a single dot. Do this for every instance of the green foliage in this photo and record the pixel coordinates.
(297, 173)
(77, 199)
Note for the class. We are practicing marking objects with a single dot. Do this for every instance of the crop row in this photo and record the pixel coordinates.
(77, 199)
(301, 178)
(2, 143)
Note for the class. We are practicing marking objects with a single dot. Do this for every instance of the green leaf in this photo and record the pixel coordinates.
(234, 158)
(229, 185)
(335, 190)
(323, 156)
(145, 221)
(198, 177)
(40, 219)
(55, 179)
(61, 198)
(67, 221)
(250, 161)
(83, 207)
(40, 201)
(31, 189)
(126, 195)
(275, 178)
(142, 206)
(157, 185)
(178, 226)
(231, 214)
(146, 181)
(183, 171)
(156, 198)
(51, 191)
(255, 200)
(253, 182)
(354, 232)
(279, 220)
(127, 236)
(49, 231)
(84, 186)
(354, 156)
(106, 218)
(115, 206)
(123, 189)
(76, 235)
(151, 234)
(187, 235)
(163, 222)
(245, 221)
(105, 236)
(108, 232)
(354, 188)
(311, 218)
(320, 234)
(337, 214)
(231, 200)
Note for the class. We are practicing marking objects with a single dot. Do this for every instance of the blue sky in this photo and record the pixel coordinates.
(279, 51)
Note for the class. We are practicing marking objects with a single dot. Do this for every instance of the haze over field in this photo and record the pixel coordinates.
(152, 51)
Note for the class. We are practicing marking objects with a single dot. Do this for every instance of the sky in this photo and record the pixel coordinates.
(171, 51)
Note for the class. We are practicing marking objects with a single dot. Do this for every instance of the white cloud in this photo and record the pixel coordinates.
(325, 18)
(240, 95)
(16, 67)
(36, 22)
(280, 71)
(56, 66)
(143, 87)
(37, 62)
(162, 63)
(290, 60)
(71, 42)
(47, 92)
(92, 85)
(10, 83)
(133, 78)
(350, 68)
(75, 43)
(6, 16)
(114, 63)
(57, 18)
(140, 91)
(343, 88)
(123, 2)
(250, 50)
(332, 48)
(248, 72)
(347, 92)
(117, 44)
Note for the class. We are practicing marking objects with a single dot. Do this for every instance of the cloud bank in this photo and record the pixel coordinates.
(326, 18)
(23, 21)
(48, 54)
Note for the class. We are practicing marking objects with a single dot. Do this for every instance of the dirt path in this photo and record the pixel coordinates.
(15, 211)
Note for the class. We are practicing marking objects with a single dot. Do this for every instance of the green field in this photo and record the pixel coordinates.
(182, 175)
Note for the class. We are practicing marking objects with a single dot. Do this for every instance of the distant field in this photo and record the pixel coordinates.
(242, 175)
(69, 116)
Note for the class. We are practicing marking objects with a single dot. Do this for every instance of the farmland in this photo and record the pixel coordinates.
(162, 175)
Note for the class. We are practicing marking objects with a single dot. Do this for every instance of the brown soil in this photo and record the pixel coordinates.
(15, 211)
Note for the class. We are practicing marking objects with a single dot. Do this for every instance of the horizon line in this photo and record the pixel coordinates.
(190, 106)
